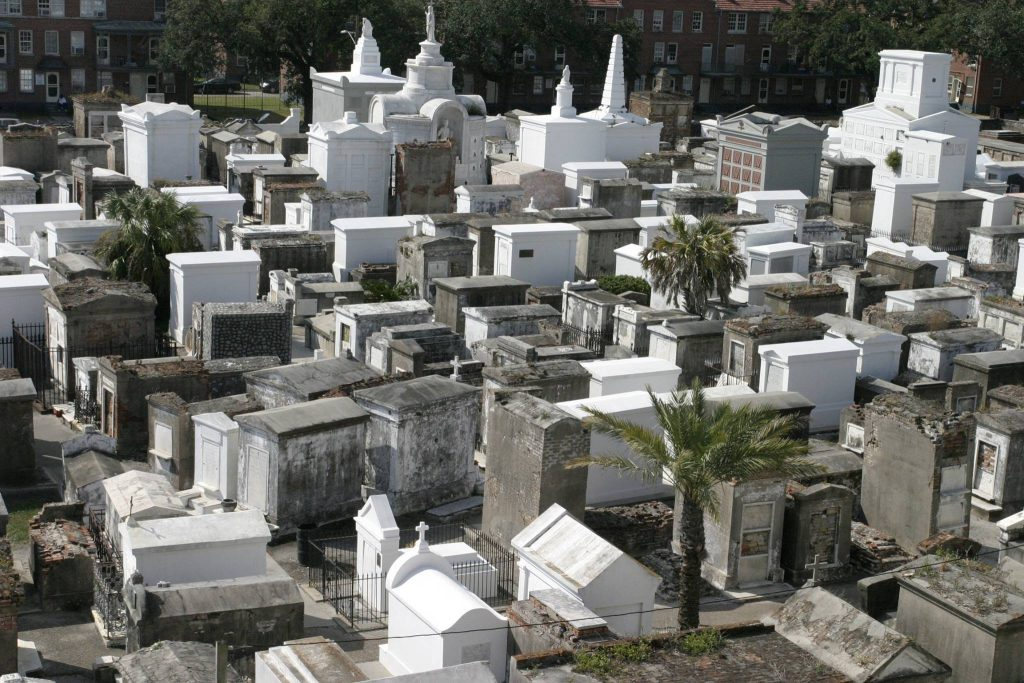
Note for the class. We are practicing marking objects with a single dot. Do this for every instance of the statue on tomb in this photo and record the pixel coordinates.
(565, 76)
(367, 29)
(444, 132)
(431, 23)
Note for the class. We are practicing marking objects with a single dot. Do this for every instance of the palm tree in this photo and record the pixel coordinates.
(153, 225)
(700, 449)
(695, 262)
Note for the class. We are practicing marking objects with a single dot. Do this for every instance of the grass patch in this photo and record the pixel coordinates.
(702, 642)
(22, 511)
(605, 661)
(239, 105)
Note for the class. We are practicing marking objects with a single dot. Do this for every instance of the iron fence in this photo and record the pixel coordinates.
(715, 375)
(108, 577)
(360, 596)
(589, 338)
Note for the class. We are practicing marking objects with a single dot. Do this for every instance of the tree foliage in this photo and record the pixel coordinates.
(153, 225)
(694, 263)
(617, 284)
(696, 448)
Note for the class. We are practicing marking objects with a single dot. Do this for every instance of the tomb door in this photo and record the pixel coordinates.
(952, 512)
(985, 468)
(255, 475)
(823, 533)
(755, 540)
(209, 451)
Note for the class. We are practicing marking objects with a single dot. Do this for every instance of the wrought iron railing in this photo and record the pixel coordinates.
(108, 577)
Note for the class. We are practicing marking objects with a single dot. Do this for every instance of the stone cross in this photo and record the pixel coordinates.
(814, 567)
(456, 364)
(421, 544)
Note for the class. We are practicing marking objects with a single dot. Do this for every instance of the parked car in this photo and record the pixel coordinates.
(216, 86)
(272, 85)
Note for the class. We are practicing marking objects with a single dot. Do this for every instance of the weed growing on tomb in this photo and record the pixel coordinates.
(702, 642)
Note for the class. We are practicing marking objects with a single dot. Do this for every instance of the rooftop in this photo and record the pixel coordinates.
(311, 416)
(88, 290)
(757, 326)
(314, 378)
(174, 662)
(415, 393)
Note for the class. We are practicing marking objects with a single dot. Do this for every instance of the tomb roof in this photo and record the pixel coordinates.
(855, 329)
(275, 588)
(599, 296)
(173, 662)
(600, 369)
(805, 291)
(373, 223)
(457, 284)
(691, 328)
(313, 659)
(929, 417)
(315, 377)
(16, 389)
(760, 325)
(536, 228)
(82, 224)
(144, 494)
(987, 360)
(90, 290)
(311, 416)
(777, 400)
(216, 259)
(153, 367)
(503, 219)
(91, 466)
(1008, 421)
(978, 593)
(834, 459)
(957, 336)
(384, 308)
(210, 529)
(780, 248)
(569, 213)
(1009, 393)
(519, 168)
(947, 197)
(514, 312)
(998, 230)
(608, 225)
(70, 262)
(433, 595)
(415, 393)
(612, 403)
(901, 261)
(521, 374)
(535, 410)
(19, 209)
(929, 294)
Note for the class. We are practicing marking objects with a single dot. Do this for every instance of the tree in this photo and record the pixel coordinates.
(196, 32)
(153, 225)
(696, 449)
(698, 261)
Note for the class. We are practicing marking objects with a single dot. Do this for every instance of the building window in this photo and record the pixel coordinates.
(792, 54)
(51, 8)
(658, 20)
(677, 21)
(659, 53)
(843, 91)
(3, 47)
(152, 84)
(780, 86)
(969, 92)
(526, 253)
(518, 87)
(688, 84)
(94, 8)
(103, 79)
(697, 22)
(239, 59)
(797, 86)
(27, 80)
(78, 80)
(744, 87)
(638, 18)
(560, 56)
(729, 86)
(519, 58)
(538, 85)
(737, 22)
(10, 7)
(103, 49)
(51, 42)
(997, 87)
(672, 53)
(766, 58)
(159, 9)
(3, 81)
(154, 50)
(765, 23)
(596, 15)
(639, 83)
(78, 42)
(762, 90)
(169, 85)
(24, 42)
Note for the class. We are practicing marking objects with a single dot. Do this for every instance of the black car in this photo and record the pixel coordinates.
(217, 86)
(271, 86)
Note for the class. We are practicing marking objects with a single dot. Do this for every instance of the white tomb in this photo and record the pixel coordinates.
(574, 171)
(941, 158)
(367, 240)
(558, 552)
(353, 157)
(21, 300)
(803, 367)
(892, 215)
(911, 96)
(354, 323)
(192, 190)
(880, 349)
(606, 486)
(378, 541)
(652, 227)
(551, 140)
(434, 621)
(239, 165)
(622, 375)
(751, 290)
(21, 220)
(12, 255)
(543, 254)
(763, 202)
(143, 496)
(786, 257)
(958, 301)
(998, 208)
(428, 109)
(161, 142)
(336, 92)
(213, 547)
(628, 261)
(748, 236)
(932, 354)
(627, 135)
(75, 236)
(211, 277)
(216, 455)
(219, 207)
(11, 173)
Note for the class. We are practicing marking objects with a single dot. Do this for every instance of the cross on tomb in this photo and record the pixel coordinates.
(421, 544)
(814, 567)
(456, 364)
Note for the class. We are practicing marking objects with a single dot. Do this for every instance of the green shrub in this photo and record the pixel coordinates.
(617, 284)
(894, 160)
(702, 642)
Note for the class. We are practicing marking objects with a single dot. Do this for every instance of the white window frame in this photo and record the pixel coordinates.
(77, 46)
(3, 47)
(104, 78)
(26, 38)
(159, 9)
(95, 9)
(765, 23)
(596, 15)
(77, 85)
(671, 53)
(538, 85)
(154, 49)
(843, 90)
(54, 48)
(997, 87)
(3, 81)
(766, 57)
(26, 76)
(560, 56)
(737, 22)
(678, 20)
(103, 49)
(658, 20)
(638, 18)
(697, 22)
(969, 87)
(11, 8)
(659, 52)
(152, 83)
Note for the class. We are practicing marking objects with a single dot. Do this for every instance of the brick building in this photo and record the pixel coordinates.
(979, 87)
(50, 48)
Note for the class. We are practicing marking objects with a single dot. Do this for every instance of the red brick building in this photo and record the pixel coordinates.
(979, 87)
(54, 47)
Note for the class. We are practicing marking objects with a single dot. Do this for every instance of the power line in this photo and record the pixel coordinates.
(710, 601)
